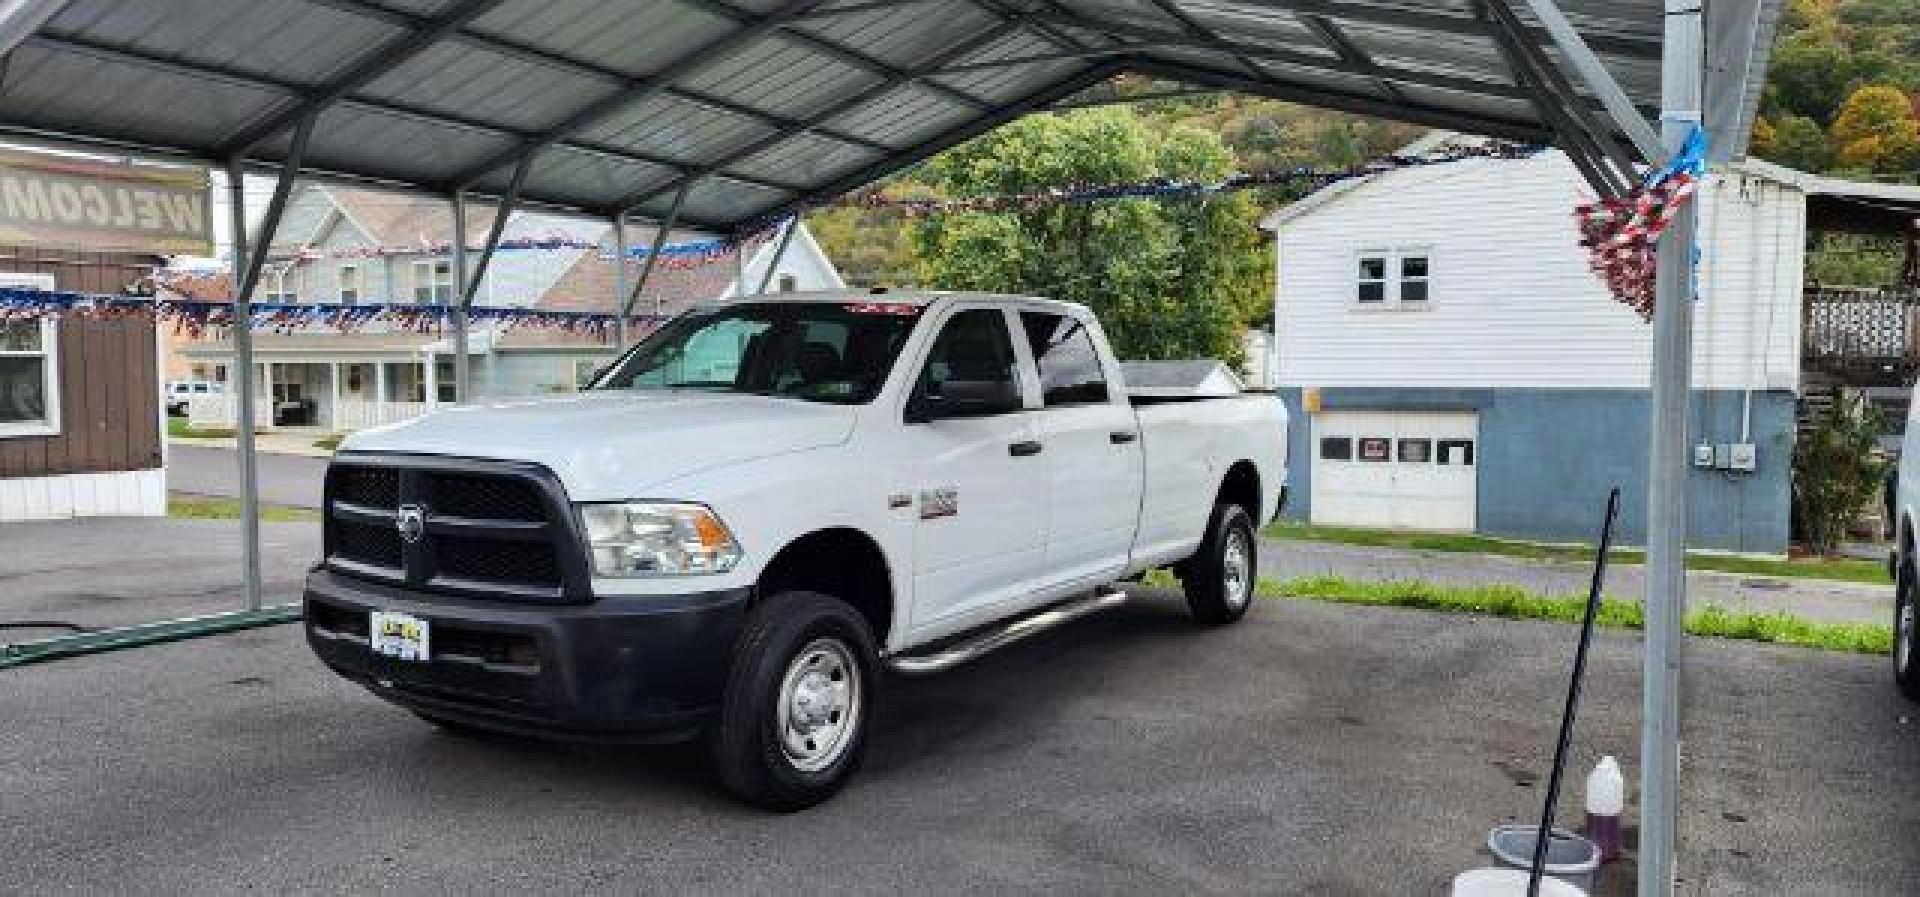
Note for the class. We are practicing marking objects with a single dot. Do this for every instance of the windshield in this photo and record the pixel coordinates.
(821, 352)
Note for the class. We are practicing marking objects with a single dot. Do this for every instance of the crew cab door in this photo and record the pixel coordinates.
(975, 475)
(1093, 451)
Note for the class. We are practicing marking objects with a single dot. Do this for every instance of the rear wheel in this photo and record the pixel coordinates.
(1906, 650)
(792, 724)
(1219, 579)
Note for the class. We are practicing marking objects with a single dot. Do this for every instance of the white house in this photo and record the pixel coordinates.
(338, 247)
(1455, 365)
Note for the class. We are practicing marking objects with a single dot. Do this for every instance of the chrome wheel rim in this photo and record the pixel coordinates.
(1903, 635)
(820, 703)
(1236, 564)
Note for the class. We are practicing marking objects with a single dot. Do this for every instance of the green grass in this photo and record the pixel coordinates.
(197, 508)
(328, 443)
(1516, 603)
(1840, 569)
(178, 426)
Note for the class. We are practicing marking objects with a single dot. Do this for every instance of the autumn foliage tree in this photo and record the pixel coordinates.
(1876, 131)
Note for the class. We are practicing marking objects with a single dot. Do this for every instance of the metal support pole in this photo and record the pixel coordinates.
(773, 264)
(1682, 61)
(243, 390)
(462, 366)
(247, 267)
(619, 281)
(653, 254)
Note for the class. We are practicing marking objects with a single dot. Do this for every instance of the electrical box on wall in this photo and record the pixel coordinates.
(1703, 455)
(1740, 456)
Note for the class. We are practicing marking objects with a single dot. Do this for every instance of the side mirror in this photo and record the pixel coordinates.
(964, 398)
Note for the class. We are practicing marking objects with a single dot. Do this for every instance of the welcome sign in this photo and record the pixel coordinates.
(62, 202)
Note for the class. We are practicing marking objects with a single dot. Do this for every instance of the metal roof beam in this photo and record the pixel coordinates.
(876, 92)
(638, 89)
(1153, 39)
(1567, 105)
(1581, 146)
(227, 75)
(1344, 102)
(1439, 22)
(1329, 33)
(839, 51)
(543, 56)
(1179, 16)
(384, 58)
(1034, 102)
(1591, 70)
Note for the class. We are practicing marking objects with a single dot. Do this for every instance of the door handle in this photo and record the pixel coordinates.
(1023, 449)
(1122, 437)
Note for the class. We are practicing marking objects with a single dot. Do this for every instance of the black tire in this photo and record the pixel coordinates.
(805, 638)
(1219, 589)
(1906, 633)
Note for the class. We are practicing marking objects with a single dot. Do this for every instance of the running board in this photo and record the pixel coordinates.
(1005, 634)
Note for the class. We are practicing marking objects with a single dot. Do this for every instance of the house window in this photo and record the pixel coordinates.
(789, 283)
(1393, 278)
(349, 285)
(432, 282)
(1336, 448)
(29, 379)
(281, 289)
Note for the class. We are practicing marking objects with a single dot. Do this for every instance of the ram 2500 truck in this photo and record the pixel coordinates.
(751, 513)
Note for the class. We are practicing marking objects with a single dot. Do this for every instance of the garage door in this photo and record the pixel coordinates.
(1397, 469)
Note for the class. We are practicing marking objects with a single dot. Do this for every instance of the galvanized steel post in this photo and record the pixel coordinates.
(243, 389)
(462, 365)
(1682, 61)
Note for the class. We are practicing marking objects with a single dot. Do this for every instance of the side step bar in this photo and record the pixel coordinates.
(1005, 634)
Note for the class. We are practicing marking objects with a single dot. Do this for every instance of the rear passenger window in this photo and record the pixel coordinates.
(1069, 364)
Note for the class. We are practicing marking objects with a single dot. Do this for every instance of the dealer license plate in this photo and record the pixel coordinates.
(400, 636)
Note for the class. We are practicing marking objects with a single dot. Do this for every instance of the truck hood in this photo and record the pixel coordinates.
(614, 444)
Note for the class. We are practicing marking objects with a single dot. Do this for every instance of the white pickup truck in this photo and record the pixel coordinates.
(758, 508)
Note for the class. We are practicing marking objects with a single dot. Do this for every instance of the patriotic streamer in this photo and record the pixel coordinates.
(441, 247)
(196, 318)
(1622, 235)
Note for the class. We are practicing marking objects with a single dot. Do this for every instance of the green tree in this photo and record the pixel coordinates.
(1794, 141)
(1837, 470)
(1169, 278)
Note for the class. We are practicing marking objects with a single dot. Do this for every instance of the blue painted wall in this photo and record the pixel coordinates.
(1548, 456)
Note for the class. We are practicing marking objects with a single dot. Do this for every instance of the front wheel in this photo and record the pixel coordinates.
(793, 721)
(1219, 579)
(1906, 650)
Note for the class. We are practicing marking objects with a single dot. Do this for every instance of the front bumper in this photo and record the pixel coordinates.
(617, 669)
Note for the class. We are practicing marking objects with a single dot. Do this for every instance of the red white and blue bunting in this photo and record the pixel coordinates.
(1622, 235)
(197, 318)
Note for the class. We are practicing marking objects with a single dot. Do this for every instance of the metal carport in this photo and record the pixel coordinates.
(726, 114)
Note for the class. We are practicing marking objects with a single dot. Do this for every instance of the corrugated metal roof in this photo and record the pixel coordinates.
(762, 105)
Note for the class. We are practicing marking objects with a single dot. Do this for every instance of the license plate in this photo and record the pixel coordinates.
(400, 636)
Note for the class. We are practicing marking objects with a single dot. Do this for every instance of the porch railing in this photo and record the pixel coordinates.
(358, 415)
(1855, 328)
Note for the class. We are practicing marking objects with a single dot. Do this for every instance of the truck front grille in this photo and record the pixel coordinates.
(478, 528)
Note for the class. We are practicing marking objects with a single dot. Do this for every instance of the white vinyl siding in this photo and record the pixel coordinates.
(1516, 305)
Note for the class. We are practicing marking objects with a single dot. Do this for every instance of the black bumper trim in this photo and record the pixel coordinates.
(617, 669)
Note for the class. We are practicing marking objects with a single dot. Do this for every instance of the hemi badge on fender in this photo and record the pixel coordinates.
(899, 500)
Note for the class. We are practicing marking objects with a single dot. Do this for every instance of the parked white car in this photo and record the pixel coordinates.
(756, 509)
(1903, 514)
(179, 393)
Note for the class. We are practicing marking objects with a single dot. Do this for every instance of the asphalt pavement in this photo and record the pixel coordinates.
(291, 480)
(1312, 749)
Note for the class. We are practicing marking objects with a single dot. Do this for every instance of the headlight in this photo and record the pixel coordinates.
(650, 538)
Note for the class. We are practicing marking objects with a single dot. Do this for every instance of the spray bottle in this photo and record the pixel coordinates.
(1606, 799)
